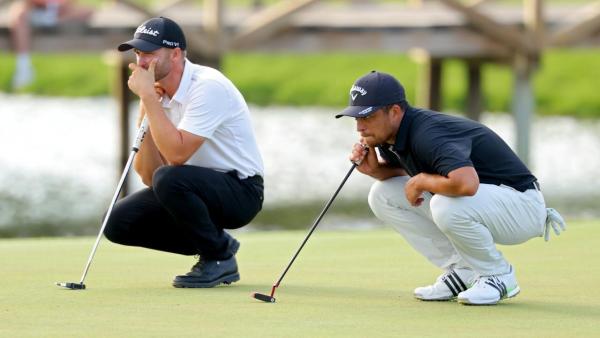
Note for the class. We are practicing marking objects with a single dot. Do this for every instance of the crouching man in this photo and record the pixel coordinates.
(450, 186)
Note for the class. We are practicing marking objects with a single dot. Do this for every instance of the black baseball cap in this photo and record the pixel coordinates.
(371, 92)
(154, 34)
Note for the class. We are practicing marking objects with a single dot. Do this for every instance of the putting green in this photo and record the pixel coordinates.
(344, 284)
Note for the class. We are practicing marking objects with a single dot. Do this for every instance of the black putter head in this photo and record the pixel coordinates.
(71, 286)
(263, 297)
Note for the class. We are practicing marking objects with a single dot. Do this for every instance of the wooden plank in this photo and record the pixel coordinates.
(167, 5)
(140, 9)
(268, 21)
(459, 42)
(474, 96)
(429, 79)
(494, 30)
(533, 17)
(212, 18)
(575, 31)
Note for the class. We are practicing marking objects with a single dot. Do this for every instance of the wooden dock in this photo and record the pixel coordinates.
(433, 27)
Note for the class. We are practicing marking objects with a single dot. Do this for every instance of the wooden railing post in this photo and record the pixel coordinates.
(474, 99)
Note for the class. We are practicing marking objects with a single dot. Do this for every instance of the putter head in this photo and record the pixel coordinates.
(71, 286)
(263, 297)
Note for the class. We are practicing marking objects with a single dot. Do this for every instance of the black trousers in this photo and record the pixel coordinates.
(185, 211)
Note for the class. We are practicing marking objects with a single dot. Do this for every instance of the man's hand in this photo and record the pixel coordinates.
(141, 81)
(366, 161)
(412, 190)
(160, 91)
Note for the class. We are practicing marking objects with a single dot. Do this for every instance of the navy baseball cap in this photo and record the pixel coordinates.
(371, 92)
(154, 34)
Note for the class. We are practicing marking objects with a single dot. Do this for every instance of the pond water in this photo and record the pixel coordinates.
(58, 156)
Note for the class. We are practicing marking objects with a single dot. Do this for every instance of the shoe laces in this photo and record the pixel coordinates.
(199, 264)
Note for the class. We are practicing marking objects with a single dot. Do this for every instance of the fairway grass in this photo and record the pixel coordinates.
(344, 284)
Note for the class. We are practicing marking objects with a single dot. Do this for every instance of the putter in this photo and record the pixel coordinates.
(271, 298)
(136, 146)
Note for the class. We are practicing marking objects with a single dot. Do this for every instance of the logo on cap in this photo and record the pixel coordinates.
(365, 111)
(358, 89)
(143, 30)
(171, 44)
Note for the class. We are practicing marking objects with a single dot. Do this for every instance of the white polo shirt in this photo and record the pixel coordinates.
(207, 104)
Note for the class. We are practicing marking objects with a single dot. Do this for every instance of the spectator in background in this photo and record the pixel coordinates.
(26, 14)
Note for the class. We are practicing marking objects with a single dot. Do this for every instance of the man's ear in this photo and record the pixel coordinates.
(396, 114)
(177, 54)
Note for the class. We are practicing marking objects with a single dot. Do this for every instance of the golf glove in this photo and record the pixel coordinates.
(554, 220)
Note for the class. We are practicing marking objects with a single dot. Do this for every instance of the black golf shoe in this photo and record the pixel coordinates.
(210, 273)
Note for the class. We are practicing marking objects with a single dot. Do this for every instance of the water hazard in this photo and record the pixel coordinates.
(58, 157)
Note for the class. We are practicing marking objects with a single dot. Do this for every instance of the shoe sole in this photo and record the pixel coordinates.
(511, 294)
(446, 299)
(227, 279)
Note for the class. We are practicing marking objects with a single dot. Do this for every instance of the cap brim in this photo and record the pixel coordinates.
(140, 44)
(357, 111)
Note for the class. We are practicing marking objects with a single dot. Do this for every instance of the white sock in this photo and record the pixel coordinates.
(23, 61)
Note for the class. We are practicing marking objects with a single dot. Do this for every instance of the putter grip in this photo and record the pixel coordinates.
(140, 134)
(366, 148)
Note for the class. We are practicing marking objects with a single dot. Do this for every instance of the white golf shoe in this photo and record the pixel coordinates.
(489, 290)
(447, 286)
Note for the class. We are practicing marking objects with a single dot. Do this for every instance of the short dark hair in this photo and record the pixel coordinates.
(402, 104)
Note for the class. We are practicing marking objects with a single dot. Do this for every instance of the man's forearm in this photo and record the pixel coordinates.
(384, 172)
(167, 137)
(460, 182)
(148, 159)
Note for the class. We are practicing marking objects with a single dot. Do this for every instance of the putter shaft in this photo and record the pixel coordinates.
(312, 229)
(134, 149)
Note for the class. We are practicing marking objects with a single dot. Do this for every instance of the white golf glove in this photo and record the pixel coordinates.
(554, 220)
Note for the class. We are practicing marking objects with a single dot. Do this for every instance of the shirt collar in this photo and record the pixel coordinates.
(186, 79)
(402, 134)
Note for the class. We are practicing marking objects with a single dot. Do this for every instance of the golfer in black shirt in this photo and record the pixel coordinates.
(450, 186)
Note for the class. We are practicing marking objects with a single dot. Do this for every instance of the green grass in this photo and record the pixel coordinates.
(566, 83)
(344, 284)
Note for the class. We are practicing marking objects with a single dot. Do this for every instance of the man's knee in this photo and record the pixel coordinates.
(19, 14)
(113, 230)
(164, 180)
(117, 228)
(387, 196)
(447, 212)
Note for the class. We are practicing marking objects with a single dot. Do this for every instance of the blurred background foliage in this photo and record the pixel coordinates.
(566, 83)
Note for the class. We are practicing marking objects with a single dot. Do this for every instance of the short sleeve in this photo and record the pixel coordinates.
(446, 155)
(206, 110)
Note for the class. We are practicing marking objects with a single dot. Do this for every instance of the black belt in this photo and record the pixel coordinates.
(532, 185)
(256, 179)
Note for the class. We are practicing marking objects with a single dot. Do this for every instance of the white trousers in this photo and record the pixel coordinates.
(462, 231)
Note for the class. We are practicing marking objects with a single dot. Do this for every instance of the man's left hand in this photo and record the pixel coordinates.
(141, 81)
(414, 194)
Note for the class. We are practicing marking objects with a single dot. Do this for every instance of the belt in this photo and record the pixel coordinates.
(256, 179)
(532, 185)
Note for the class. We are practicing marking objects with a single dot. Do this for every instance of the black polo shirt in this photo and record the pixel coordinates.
(435, 143)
